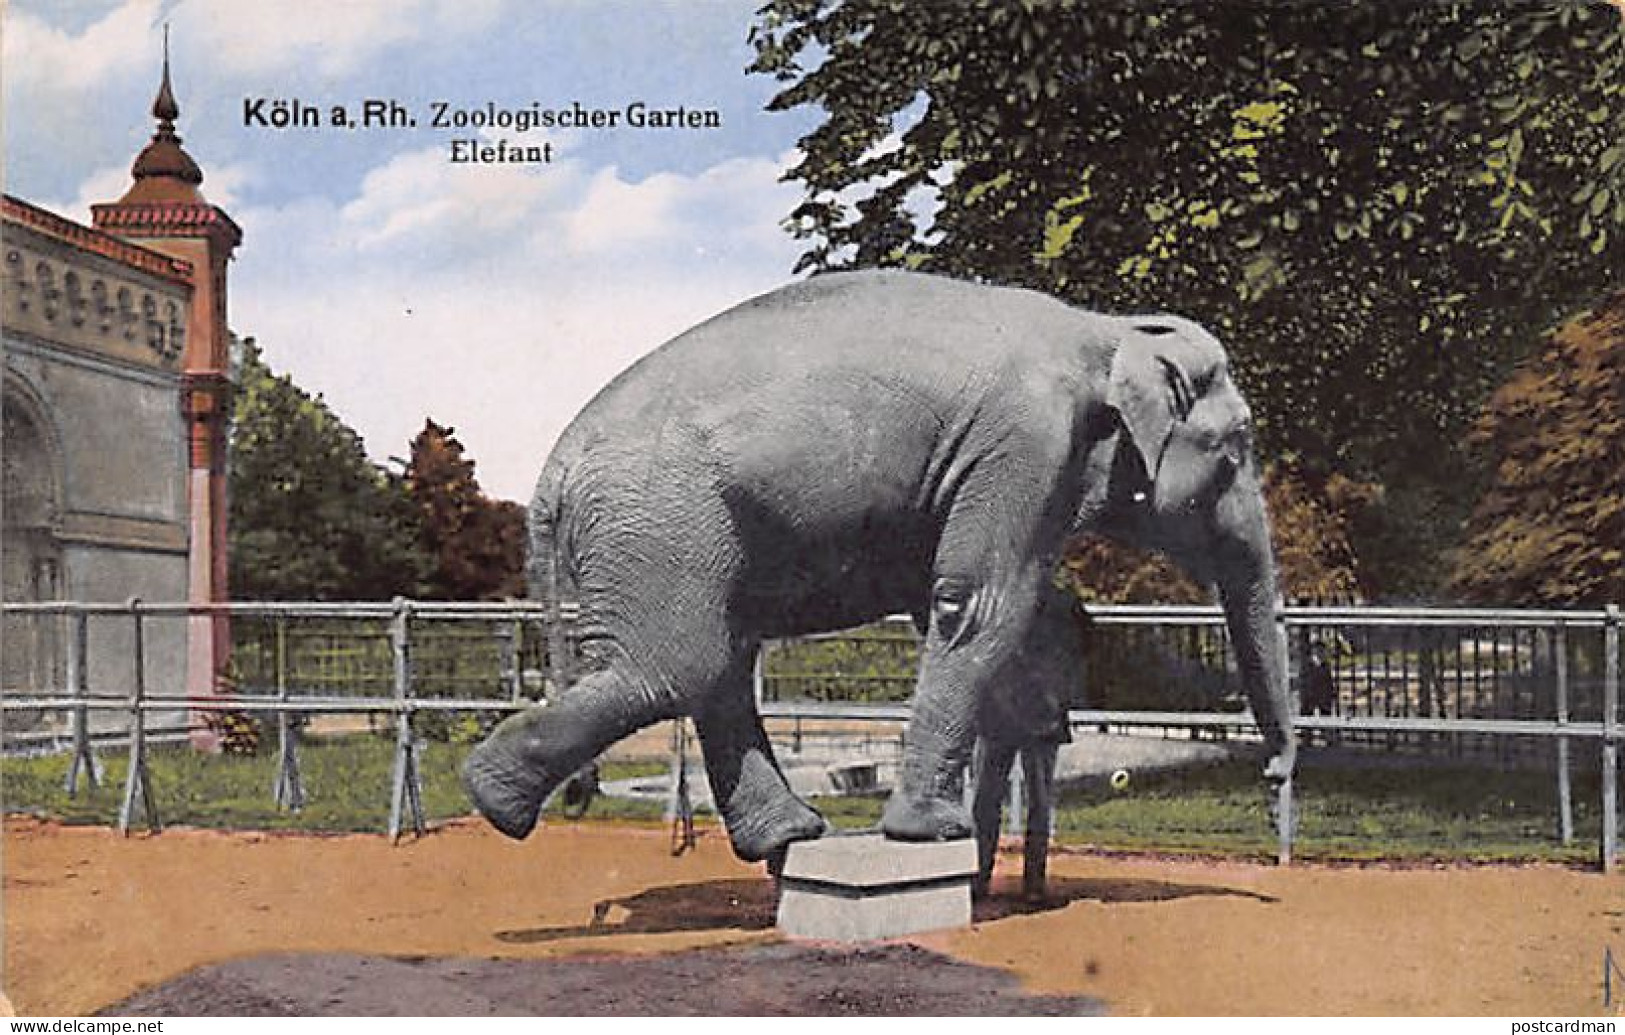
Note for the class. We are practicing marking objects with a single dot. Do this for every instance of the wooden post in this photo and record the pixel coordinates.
(1565, 791)
(516, 648)
(679, 803)
(758, 685)
(289, 790)
(78, 685)
(1015, 820)
(137, 782)
(1285, 821)
(405, 792)
(1610, 749)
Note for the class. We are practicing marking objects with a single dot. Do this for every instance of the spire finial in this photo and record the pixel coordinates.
(163, 159)
(164, 108)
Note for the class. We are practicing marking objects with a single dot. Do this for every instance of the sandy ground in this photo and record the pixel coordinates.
(91, 919)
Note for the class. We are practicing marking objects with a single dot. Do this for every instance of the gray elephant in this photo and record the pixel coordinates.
(860, 444)
(1052, 667)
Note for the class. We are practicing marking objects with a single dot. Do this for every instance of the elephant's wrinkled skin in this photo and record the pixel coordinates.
(857, 445)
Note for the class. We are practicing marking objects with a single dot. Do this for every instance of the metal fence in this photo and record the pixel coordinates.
(1520, 684)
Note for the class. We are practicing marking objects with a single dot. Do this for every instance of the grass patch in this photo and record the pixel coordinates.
(347, 787)
(1346, 813)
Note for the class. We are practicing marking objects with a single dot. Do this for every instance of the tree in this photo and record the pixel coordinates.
(1377, 204)
(477, 543)
(1551, 527)
(310, 517)
(1313, 552)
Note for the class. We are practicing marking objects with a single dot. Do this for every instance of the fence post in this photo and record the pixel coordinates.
(1610, 731)
(405, 792)
(1286, 822)
(679, 803)
(516, 647)
(288, 791)
(1016, 821)
(78, 686)
(758, 685)
(1565, 791)
(138, 782)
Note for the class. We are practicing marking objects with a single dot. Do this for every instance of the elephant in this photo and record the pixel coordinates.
(1050, 668)
(860, 444)
(992, 764)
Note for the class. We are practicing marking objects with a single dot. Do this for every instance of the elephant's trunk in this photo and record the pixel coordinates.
(1247, 589)
(928, 803)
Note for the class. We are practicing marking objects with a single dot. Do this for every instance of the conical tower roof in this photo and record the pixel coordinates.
(163, 171)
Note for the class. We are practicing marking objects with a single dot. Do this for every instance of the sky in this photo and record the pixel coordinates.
(494, 298)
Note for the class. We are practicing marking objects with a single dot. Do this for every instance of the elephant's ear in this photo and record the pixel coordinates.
(1150, 387)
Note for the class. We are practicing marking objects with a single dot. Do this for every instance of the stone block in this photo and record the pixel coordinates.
(864, 887)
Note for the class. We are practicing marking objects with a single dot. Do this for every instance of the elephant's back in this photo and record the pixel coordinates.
(833, 392)
(889, 331)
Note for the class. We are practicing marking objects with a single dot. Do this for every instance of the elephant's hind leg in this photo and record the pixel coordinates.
(511, 774)
(992, 764)
(762, 814)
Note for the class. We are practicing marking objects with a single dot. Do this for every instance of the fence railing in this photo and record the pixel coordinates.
(1414, 679)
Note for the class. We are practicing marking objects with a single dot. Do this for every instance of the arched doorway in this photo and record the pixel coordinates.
(30, 553)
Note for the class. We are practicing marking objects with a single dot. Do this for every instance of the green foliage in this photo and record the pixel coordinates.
(1378, 205)
(310, 517)
(346, 782)
(238, 733)
(477, 543)
(1345, 812)
(1550, 529)
(1310, 527)
(1356, 813)
(874, 664)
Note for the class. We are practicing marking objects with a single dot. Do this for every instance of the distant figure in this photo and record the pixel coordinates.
(1319, 693)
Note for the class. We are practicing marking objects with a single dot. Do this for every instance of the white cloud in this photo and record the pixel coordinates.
(333, 37)
(669, 210)
(498, 299)
(47, 65)
(420, 194)
(220, 186)
(616, 213)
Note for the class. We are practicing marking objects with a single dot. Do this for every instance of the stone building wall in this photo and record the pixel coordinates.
(95, 447)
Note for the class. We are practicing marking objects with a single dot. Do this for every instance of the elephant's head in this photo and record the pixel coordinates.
(1184, 481)
(1185, 438)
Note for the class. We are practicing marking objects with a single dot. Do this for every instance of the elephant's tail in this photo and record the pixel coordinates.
(546, 585)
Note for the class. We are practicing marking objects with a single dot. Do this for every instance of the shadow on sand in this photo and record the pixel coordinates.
(752, 904)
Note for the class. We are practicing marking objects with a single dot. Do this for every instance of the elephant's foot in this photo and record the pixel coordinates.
(1034, 889)
(508, 791)
(768, 831)
(924, 819)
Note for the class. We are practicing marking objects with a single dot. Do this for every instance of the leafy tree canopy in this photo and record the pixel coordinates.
(311, 518)
(1377, 204)
(1551, 527)
(1313, 551)
(477, 543)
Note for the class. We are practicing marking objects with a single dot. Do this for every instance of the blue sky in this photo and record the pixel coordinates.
(495, 299)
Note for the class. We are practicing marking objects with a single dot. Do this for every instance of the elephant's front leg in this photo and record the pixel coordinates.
(762, 814)
(977, 625)
(1038, 775)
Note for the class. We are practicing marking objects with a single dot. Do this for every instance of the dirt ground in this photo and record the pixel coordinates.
(591, 918)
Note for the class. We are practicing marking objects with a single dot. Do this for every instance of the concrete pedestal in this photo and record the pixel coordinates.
(865, 887)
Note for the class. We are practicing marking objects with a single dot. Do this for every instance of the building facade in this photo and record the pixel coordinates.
(115, 406)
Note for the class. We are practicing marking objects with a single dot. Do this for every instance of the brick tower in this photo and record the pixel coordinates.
(165, 211)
